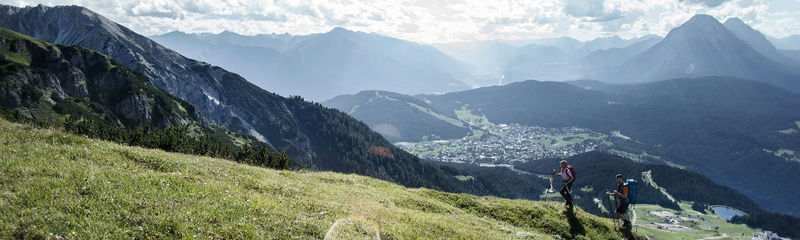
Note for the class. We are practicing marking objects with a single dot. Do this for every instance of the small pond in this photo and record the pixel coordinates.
(726, 212)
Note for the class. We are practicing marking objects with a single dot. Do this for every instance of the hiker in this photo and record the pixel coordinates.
(567, 176)
(622, 193)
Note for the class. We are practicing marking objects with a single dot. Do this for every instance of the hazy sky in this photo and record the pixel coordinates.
(439, 20)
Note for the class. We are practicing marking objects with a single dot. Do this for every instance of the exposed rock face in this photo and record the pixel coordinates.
(134, 108)
(164, 67)
(24, 88)
(223, 97)
(41, 73)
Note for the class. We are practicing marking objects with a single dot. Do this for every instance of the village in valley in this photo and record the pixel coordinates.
(507, 143)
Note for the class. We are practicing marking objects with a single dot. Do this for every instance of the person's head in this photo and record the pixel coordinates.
(563, 163)
(619, 178)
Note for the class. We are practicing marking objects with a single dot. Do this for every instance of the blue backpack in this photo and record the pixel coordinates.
(631, 183)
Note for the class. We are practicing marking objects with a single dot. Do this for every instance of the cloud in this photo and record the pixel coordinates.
(606, 18)
(584, 8)
(441, 20)
(709, 3)
(156, 8)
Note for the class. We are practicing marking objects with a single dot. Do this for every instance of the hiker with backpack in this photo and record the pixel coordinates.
(623, 191)
(567, 176)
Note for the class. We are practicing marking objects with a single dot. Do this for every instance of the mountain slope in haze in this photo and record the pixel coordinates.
(44, 81)
(704, 47)
(411, 118)
(610, 43)
(549, 63)
(547, 104)
(320, 138)
(757, 40)
(789, 43)
(543, 59)
(602, 59)
(343, 61)
(140, 193)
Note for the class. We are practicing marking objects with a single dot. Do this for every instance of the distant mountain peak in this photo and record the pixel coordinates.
(754, 38)
(700, 26)
(702, 46)
(702, 18)
(735, 20)
(175, 33)
(340, 30)
(738, 27)
(228, 33)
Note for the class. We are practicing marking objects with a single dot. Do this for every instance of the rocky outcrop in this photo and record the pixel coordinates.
(221, 96)
(37, 75)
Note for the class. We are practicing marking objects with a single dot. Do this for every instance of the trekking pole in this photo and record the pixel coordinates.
(611, 210)
(616, 223)
(547, 192)
(633, 208)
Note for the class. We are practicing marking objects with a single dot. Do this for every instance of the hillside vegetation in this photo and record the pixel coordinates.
(58, 184)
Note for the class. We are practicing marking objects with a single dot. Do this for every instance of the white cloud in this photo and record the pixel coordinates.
(439, 20)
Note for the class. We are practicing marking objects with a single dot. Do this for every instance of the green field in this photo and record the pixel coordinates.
(477, 123)
(454, 122)
(786, 154)
(57, 185)
(707, 225)
(791, 130)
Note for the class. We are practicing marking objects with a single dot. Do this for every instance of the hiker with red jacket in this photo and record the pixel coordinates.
(568, 176)
(622, 192)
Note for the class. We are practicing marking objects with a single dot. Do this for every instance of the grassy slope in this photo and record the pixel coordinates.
(70, 186)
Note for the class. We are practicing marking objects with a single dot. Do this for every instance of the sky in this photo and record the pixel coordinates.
(438, 21)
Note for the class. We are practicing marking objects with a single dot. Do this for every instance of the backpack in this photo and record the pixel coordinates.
(571, 170)
(631, 183)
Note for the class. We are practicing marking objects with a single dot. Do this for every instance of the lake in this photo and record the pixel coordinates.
(726, 212)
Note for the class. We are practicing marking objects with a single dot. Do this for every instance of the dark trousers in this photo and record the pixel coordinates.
(565, 188)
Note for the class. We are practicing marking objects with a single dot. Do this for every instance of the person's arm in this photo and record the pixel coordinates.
(624, 194)
(571, 178)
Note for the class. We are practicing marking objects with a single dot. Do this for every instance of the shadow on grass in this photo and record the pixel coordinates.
(575, 226)
(627, 233)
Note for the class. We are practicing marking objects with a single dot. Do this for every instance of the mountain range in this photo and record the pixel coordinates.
(702, 46)
(417, 120)
(321, 66)
(346, 62)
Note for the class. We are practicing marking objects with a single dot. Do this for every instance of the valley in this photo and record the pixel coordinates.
(489, 144)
